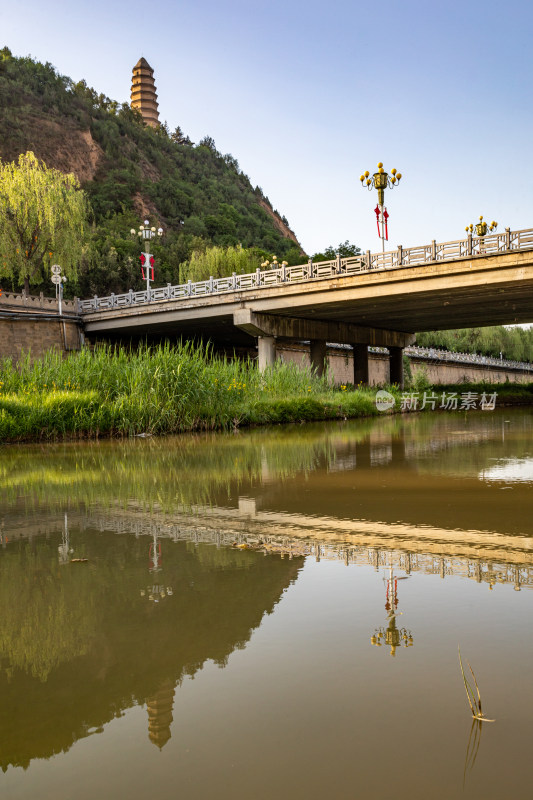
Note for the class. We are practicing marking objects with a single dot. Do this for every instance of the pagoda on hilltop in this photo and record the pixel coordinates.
(143, 94)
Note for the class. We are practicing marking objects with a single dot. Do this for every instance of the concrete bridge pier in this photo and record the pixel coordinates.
(360, 364)
(267, 327)
(396, 366)
(266, 346)
(317, 353)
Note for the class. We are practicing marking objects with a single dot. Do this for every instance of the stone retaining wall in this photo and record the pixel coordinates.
(35, 336)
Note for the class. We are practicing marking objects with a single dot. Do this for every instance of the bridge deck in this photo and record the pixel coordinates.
(482, 290)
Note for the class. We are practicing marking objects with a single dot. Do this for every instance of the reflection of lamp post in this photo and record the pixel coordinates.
(65, 550)
(154, 554)
(392, 636)
(381, 180)
(147, 233)
(156, 592)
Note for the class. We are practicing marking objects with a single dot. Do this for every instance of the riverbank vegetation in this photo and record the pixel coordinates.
(159, 390)
(507, 394)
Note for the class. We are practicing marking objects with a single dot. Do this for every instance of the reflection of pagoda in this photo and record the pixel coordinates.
(160, 714)
(143, 94)
(393, 636)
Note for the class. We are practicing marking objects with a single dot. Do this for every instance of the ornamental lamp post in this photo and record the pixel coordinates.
(482, 228)
(381, 180)
(266, 264)
(146, 234)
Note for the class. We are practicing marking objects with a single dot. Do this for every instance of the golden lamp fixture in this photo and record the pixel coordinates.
(482, 228)
(381, 180)
(275, 264)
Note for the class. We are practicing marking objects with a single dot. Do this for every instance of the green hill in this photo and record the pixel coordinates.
(130, 171)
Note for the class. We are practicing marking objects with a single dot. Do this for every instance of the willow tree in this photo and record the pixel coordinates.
(220, 261)
(43, 219)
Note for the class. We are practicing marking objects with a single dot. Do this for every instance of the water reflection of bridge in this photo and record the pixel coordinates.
(482, 556)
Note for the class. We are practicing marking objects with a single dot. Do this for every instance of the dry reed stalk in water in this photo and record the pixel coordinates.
(473, 701)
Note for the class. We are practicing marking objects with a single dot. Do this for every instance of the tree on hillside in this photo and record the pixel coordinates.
(179, 137)
(344, 250)
(43, 217)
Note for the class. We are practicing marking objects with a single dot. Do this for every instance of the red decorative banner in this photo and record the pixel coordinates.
(151, 261)
(378, 212)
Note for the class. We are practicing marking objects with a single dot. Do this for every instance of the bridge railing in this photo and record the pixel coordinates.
(470, 247)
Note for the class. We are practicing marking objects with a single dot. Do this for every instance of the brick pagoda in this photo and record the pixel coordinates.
(143, 94)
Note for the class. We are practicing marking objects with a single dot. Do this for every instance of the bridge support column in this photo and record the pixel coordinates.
(396, 366)
(266, 346)
(360, 364)
(318, 356)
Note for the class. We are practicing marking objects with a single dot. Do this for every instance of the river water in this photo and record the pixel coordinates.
(270, 613)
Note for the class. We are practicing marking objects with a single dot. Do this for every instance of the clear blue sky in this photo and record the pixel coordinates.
(308, 95)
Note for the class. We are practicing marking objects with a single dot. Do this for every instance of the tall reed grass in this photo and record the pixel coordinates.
(161, 389)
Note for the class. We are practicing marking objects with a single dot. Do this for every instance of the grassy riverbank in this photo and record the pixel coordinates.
(507, 394)
(160, 390)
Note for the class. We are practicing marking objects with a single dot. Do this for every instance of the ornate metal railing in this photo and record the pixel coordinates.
(472, 246)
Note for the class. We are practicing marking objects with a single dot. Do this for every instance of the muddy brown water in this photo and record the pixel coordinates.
(270, 614)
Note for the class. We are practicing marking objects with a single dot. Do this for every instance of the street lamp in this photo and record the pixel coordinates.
(381, 180)
(482, 228)
(275, 264)
(146, 234)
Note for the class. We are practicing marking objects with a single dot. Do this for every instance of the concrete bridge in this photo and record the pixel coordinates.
(373, 299)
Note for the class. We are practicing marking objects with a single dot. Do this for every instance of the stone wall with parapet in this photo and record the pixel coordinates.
(31, 324)
(38, 303)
